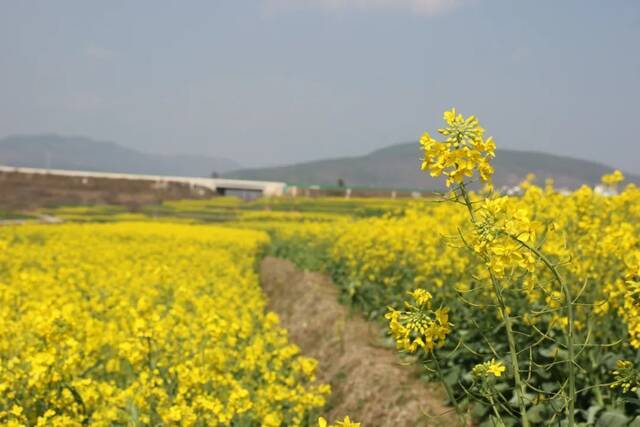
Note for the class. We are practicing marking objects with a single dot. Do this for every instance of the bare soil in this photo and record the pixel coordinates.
(20, 190)
(369, 382)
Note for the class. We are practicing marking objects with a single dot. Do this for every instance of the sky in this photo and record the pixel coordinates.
(270, 82)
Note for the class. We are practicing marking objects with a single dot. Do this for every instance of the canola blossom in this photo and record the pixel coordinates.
(463, 153)
(418, 326)
(613, 179)
(626, 376)
(144, 324)
(490, 368)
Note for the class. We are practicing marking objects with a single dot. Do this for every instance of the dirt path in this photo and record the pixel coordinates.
(368, 381)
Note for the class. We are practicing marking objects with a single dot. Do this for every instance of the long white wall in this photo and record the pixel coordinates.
(268, 188)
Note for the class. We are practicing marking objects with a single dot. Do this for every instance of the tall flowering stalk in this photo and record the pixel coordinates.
(503, 238)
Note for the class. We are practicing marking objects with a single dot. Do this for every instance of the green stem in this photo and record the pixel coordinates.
(467, 202)
(513, 353)
(594, 367)
(495, 409)
(520, 386)
(447, 387)
(569, 335)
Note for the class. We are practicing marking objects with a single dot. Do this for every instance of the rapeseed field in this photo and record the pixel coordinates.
(144, 324)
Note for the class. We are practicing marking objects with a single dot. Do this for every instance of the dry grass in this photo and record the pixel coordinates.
(369, 383)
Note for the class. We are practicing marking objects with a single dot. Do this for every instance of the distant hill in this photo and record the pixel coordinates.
(397, 167)
(63, 152)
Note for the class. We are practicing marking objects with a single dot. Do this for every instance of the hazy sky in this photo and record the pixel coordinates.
(276, 81)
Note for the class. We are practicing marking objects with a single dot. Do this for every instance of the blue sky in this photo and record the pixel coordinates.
(277, 81)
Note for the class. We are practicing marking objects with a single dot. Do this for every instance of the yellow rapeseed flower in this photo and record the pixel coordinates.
(463, 152)
(490, 368)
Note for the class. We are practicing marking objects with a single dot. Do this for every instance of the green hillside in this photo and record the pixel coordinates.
(397, 167)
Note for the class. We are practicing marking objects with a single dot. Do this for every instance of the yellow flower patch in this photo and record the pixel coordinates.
(143, 324)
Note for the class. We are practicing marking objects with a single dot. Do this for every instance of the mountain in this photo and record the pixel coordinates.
(397, 167)
(78, 153)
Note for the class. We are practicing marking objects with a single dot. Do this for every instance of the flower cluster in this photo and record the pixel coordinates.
(502, 229)
(626, 376)
(613, 179)
(487, 369)
(463, 151)
(631, 308)
(418, 326)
